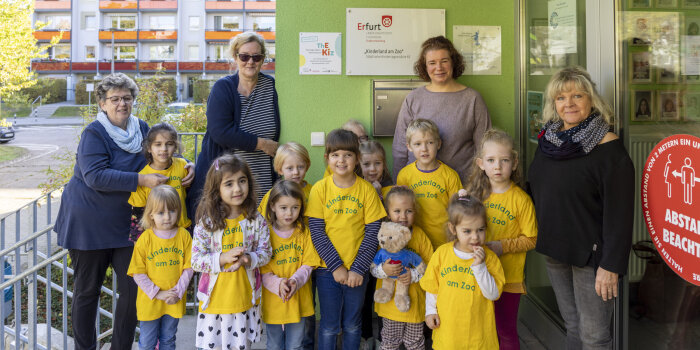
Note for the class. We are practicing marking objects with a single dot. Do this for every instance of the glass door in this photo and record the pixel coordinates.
(659, 93)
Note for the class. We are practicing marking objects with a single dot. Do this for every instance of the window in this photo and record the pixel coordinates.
(263, 23)
(90, 22)
(61, 52)
(226, 22)
(124, 22)
(194, 23)
(125, 52)
(162, 52)
(270, 48)
(220, 52)
(193, 52)
(162, 22)
(90, 53)
(58, 22)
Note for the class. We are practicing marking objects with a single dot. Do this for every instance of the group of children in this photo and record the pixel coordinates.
(261, 266)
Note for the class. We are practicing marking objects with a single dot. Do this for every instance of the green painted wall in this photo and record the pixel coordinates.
(322, 103)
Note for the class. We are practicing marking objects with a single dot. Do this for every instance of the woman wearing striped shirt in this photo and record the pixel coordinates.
(242, 118)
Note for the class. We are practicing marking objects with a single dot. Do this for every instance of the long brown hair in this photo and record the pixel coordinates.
(212, 210)
(479, 184)
(285, 188)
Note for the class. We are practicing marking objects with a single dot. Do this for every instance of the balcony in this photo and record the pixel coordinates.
(51, 66)
(119, 35)
(52, 6)
(226, 35)
(45, 36)
(217, 66)
(154, 66)
(119, 6)
(157, 35)
(222, 6)
(260, 6)
(158, 5)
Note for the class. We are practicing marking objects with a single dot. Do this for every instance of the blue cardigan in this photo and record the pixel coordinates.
(224, 133)
(94, 212)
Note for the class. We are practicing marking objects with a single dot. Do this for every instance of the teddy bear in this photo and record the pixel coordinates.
(393, 238)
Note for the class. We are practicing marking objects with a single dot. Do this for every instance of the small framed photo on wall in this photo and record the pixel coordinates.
(642, 106)
(668, 104)
(667, 75)
(639, 4)
(692, 26)
(691, 4)
(692, 79)
(691, 106)
(640, 67)
(666, 3)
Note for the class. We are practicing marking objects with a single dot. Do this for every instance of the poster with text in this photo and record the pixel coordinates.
(481, 48)
(319, 53)
(562, 26)
(386, 41)
(691, 55)
(670, 197)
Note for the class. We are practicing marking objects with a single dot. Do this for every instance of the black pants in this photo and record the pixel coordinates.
(90, 267)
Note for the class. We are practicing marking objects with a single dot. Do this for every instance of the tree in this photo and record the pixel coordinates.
(18, 45)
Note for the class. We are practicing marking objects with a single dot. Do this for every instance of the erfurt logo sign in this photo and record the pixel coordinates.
(386, 21)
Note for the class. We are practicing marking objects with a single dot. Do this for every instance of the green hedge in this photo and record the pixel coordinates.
(52, 89)
(166, 85)
(201, 90)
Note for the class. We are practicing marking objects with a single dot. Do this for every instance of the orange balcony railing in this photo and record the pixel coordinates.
(155, 66)
(54, 5)
(47, 35)
(260, 5)
(118, 5)
(158, 35)
(217, 66)
(158, 5)
(223, 5)
(50, 66)
(106, 35)
(224, 35)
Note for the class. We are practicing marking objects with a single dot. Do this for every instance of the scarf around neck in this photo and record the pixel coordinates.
(130, 139)
(575, 142)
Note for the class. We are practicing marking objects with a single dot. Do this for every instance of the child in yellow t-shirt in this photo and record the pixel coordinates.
(344, 217)
(291, 163)
(403, 327)
(287, 297)
(160, 266)
(431, 180)
(231, 242)
(159, 146)
(512, 226)
(374, 169)
(356, 128)
(462, 281)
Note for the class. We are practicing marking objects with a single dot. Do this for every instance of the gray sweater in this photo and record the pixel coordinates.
(461, 117)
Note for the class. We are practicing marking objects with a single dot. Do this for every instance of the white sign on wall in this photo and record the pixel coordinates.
(319, 53)
(385, 41)
(481, 48)
(562, 26)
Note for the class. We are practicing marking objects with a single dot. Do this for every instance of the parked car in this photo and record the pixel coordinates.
(7, 132)
(176, 109)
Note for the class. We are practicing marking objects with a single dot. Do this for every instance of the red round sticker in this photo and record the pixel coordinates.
(671, 203)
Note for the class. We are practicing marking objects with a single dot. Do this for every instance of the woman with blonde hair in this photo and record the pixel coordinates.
(242, 117)
(582, 184)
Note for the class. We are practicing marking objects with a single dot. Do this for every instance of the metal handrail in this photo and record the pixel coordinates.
(25, 241)
(33, 269)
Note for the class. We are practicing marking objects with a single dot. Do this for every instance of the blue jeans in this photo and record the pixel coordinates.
(341, 308)
(586, 316)
(288, 339)
(163, 329)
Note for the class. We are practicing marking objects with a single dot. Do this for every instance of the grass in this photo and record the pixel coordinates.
(9, 110)
(8, 153)
(67, 111)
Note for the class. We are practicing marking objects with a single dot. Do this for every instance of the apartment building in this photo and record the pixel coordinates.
(186, 38)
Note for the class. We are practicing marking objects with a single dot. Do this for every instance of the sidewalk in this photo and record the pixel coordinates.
(48, 120)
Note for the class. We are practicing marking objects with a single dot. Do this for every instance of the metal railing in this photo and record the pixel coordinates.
(34, 111)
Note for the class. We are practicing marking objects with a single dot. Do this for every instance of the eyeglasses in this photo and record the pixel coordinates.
(245, 57)
(116, 100)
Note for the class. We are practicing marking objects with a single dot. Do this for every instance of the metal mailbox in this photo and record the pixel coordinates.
(387, 98)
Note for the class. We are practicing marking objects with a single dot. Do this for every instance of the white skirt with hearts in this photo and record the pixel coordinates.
(229, 331)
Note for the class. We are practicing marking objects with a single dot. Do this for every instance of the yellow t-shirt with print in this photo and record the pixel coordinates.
(419, 244)
(262, 207)
(345, 211)
(467, 318)
(328, 172)
(232, 291)
(509, 215)
(163, 261)
(386, 190)
(288, 254)
(433, 191)
(175, 173)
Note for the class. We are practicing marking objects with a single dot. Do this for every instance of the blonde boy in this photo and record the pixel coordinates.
(291, 162)
(431, 180)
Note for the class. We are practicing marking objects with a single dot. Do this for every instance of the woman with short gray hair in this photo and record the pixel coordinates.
(94, 217)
